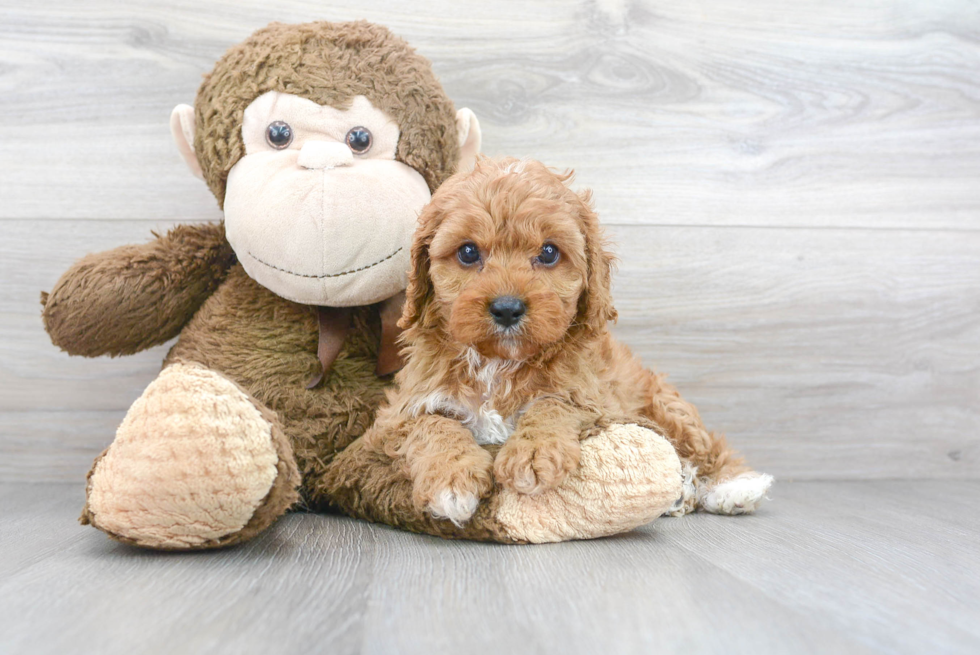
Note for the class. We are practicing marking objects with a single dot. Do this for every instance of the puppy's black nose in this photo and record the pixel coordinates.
(507, 310)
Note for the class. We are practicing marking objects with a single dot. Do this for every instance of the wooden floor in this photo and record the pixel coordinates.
(827, 567)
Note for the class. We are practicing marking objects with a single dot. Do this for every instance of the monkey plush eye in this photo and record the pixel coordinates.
(359, 140)
(279, 134)
(468, 254)
(549, 254)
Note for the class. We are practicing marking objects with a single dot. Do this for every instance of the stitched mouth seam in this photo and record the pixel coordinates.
(350, 272)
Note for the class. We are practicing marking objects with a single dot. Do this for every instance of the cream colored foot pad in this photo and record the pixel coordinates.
(191, 462)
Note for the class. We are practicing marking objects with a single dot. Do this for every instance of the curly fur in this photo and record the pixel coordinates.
(553, 375)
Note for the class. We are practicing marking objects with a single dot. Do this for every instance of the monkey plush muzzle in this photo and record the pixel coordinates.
(318, 210)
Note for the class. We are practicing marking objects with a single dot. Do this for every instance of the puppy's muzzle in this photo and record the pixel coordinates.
(507, 311)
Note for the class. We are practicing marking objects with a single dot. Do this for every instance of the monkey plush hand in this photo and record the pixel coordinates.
(321, 142)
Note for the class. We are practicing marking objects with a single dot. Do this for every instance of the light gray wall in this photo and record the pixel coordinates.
(794, 189)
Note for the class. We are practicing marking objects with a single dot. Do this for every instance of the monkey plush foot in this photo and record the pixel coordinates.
(627, 476)
(196, 463)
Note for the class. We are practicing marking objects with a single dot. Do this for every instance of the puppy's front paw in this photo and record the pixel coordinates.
(453, 504)
(453, 490)
(533, 466)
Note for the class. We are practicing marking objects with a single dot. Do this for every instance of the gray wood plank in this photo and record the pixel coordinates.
(882, 566)
(636, 594)
(824, 354)
(300, 584)
(848, 352)
(866, 557)
(706, 113)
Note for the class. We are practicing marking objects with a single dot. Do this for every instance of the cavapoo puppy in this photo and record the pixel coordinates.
(509, 356)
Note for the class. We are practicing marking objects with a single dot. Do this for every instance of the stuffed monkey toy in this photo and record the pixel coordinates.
(321, 142)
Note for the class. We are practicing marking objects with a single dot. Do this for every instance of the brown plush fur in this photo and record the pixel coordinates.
(559, 370)
(131, 298)
(267, 345)
(187, 284)
(328, 63)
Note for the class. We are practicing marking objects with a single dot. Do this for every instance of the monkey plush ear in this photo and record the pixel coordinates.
(470, 139)
(182, 129)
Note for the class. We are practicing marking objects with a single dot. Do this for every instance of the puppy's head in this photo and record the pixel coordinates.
(508, 260)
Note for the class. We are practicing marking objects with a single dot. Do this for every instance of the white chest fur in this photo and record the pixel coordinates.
(489, 427)
(477, 412)
(486, 423)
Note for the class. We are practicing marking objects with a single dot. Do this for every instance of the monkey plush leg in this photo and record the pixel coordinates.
(627, 476)
(197, 463)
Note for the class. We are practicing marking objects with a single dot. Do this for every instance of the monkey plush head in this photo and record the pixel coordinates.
(322, 142)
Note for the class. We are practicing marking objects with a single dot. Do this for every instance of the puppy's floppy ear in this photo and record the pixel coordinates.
(595, 306)
(419, 293)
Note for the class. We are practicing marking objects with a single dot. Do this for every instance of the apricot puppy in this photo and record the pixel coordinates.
(509, 351)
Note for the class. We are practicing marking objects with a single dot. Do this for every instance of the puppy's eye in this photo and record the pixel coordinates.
(549, 254)
(279, 135)
(359, 140)
(468, 254)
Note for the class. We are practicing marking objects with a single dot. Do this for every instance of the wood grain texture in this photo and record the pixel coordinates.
(884, 566)
(794, 193)
(824, 354)
(703, 113)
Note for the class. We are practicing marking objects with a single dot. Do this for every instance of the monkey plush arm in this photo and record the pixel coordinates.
(124, 300)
